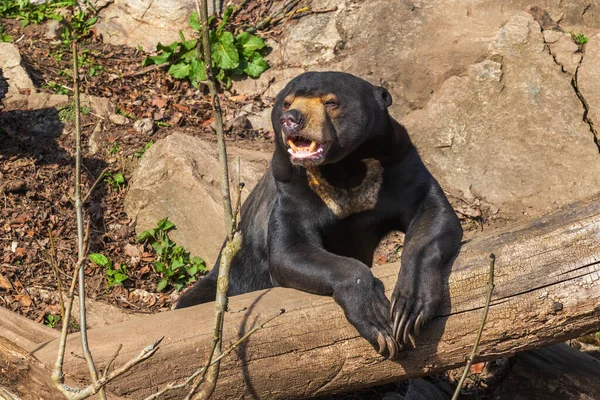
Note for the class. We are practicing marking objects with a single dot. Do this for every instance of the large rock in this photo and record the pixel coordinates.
(410, 47)
(179, 177)
(511, 130)
(145, 23)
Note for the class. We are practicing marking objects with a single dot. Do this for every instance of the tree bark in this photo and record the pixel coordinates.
(547, 290)
(22, 377)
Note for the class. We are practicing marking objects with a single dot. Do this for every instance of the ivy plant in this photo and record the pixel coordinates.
(174, 264)
(115, 275)
(231, 55)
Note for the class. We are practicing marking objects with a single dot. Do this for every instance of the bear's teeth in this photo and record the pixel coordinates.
(312, 147)
(292, 145)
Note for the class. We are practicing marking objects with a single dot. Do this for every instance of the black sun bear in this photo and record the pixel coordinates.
(343, 174)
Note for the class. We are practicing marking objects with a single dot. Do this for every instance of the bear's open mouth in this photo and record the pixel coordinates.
(303, 148)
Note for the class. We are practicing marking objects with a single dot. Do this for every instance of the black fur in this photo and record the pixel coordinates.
(292, 239)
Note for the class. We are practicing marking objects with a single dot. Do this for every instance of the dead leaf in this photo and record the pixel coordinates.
(175, 119)
(207, 122)
(159, 102)
(20, 252)
(181, 108)
(144, 270)
(23, 299)
(5, 283)
(477, 368)
(240, 98)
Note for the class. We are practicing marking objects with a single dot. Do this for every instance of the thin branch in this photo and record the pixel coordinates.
(79, 211)
(238, 202)
(113, 358)
(221, 301)
(461, 382)
(54, 261)
(202, 9)
(104, 171)
(173, 386)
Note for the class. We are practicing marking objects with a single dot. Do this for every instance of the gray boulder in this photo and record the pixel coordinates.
(179, 177)
(145, 23)
(511, 130)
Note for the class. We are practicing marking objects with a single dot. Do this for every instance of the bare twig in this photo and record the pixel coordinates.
(72, 393)
(146, 70)
(478, 338)
(113, 358)
(201, 371)
(104, 171)
(238, 202)
(202, 9)
(97, 385)
(54, 261)
(79, 212)
(227, 254)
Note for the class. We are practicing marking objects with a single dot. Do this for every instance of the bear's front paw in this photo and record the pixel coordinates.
(413, 304)
(366, 307)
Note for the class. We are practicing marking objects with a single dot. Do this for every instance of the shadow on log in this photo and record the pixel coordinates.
(547, 290)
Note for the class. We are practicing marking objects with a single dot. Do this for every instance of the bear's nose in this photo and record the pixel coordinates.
(292, 119)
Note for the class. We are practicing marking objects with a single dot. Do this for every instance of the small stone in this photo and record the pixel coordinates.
(261, 120)
(100, 106)
(145, 125)
(238, 123)
(131, 250)
(557, 306)
(118, 119)
(93, 145)
(55, 29)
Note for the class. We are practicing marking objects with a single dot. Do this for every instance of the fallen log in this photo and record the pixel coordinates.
(547, 290)
(22, 377)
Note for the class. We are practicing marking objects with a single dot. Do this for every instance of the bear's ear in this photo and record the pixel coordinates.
(383, 97)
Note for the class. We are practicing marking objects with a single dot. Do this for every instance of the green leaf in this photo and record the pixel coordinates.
(98, 259)
(119, 178)
(197, 71)
(194, 21)
(159, 59)
(180, 70)
(224, 52)
(256, 66)
(193, 270)
(249, 43)
(167, 49)
(120, 278)
(226, 16)
(149, 234)
(160, 267)
(165, 225)
(197, 260)
(162, 284)
(177, 263)
(189, 44)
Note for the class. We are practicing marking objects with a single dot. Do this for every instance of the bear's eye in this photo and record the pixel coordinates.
(331, 103)
(286, 104)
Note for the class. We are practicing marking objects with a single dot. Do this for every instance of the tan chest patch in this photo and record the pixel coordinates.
(345, 202)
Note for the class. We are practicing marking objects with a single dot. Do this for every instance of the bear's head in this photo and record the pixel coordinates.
(320, 118)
